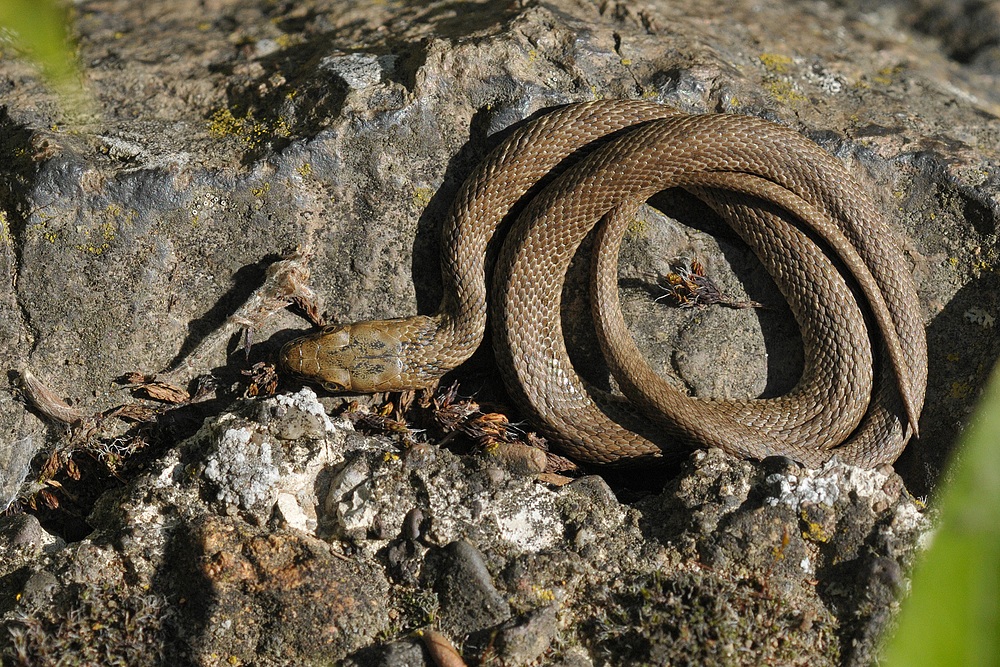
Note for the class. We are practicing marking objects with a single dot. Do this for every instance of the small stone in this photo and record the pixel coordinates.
(356, 70)
(40, 586)
(523, 640)
(469, 599)
(520, 459)
(401, 653)
(411, 524)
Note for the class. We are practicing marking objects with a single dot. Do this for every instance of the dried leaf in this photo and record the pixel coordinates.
(554, 479)
(52, 465)
(46, 402)
(165, 391)
(136, 412)
(49, 499)
(136, 378)
(442, 651)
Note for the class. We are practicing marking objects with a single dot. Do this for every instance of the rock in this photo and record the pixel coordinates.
(26, 533)
(224, 134)
(401, 653)
(469, 599)
(523, 640)
(247, 464)
(200, 579)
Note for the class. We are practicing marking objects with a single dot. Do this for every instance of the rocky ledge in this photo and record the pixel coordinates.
(220, 529)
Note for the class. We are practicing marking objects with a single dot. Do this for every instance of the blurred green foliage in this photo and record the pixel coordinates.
(38, 29)
(952, 616)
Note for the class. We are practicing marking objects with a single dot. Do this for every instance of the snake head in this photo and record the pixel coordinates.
(363, 357)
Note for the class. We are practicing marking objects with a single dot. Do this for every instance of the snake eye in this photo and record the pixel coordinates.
(335, 336)
(337, 380)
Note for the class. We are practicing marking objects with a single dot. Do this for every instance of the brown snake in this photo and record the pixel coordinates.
(815, 230)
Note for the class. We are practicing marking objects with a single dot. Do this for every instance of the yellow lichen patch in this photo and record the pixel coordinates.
(261, 190)
(4, 229)
(246, 129)
(285, 40)
(97, 241)
(304, 170)
(812, 531)
(777, 80)
(543, 594)
(282, 128)
(41, 228)
(776, 63)
(885, 75)
(422, 197)
(223, 124)
(637, 228)
(784, 91)
(960, 390)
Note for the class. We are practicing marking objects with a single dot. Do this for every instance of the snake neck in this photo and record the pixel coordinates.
(461, 324)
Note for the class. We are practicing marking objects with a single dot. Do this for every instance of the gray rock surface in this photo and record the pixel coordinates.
(229, 132)
(732, 563)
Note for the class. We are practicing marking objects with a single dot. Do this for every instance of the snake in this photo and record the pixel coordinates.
(520, 217)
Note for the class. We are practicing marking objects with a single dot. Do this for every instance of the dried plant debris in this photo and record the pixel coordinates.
(94, 448)
(104, 625)
(308, 305)
(285, 282)
(47, 402)
(263, 380)
(157, 390)
(458, 423)
(688, 286)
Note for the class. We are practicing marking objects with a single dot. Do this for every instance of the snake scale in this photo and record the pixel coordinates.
(813, 227)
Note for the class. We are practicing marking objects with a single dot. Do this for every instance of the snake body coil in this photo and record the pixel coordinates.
(811, 225)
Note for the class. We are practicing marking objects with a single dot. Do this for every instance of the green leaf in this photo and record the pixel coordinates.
(952, 616)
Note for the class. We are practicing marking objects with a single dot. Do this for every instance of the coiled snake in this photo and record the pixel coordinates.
(814, 229)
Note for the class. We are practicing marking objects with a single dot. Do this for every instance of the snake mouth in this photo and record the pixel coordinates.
(290, 357)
